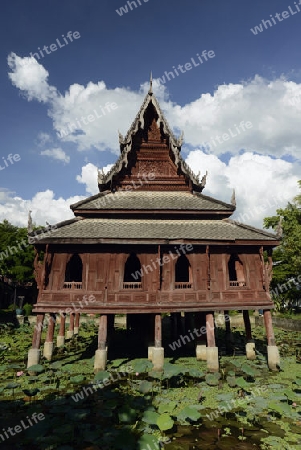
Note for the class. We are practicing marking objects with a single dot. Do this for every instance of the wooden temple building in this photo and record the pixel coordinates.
(150, 242)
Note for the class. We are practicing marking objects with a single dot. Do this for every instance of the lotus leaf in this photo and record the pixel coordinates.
(150, 417)
(167, 407)
(165, 422)
(145, 387)
(77, 379)
(189, 412)
(148, 441)
(101, 375)
(38, 368)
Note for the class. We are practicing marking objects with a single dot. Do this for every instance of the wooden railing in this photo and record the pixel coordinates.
(73, 285)
(237, 283)
(181, 285)
(132, 285)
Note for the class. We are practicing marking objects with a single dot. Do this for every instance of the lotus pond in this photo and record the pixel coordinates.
(129, 407)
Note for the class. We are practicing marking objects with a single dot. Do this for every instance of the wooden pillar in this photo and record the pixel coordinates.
(250, 344)
(210, 330)
(229, 337)
(60, 340)
(50, 330)
(158, 350)
(34, 353)
(70, 332)
(48, 345)
(273, 353)
(269, 326)
(36, 340)
(102, 332)
(212, 350)
(76, 323)
(200, 321)
(158, 331)
(247, 322)
(100, 361)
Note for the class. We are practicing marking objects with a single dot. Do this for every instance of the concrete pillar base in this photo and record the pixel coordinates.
(48, 350)
(34, 355)
(273, 357)
(100, 361)
(250, 350)
(69, 334)
(158, 358)
(60, 341)
(212, 359)
(150, 353)
(201, 352)
(76, 330)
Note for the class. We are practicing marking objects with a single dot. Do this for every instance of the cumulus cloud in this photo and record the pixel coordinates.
(267, 105)
(56, 153)
(43, 139)
(30, 77)
(255, 165)
(44, 206)
(262, 183)
(89, 177)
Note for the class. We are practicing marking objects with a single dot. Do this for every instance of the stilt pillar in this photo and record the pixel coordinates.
(100, 361)
(250, 344)
(201, 349)
(70, 332)
(60, 340)
(76, 323)
(273, 353)
(48, 345)
(158, 350)
(229, 336)
(212, 350)
(34, 353)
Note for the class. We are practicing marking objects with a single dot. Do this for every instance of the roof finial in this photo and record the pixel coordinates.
(204, 179)
(29, 224)
(233, 198)
(151, 83)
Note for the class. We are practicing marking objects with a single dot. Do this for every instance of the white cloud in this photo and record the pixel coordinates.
(30, 77)
(258, 174)
(56, 153)
(89, 177)
(44, 206)
(266, 104)
(43, 138)
(262, 184)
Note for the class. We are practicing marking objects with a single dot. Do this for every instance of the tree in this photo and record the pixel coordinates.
(16, 254)
(286, 283)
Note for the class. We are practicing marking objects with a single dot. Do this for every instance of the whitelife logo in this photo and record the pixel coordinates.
(11, 431)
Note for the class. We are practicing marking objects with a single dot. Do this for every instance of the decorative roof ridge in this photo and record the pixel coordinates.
(126, 143)
(50, 229)
(88, 199)
(250, 227)
(212, 199)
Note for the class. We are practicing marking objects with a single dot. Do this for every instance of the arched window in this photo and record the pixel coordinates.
(182, 273)
(73, 273)
(132, 273)
(236, 271)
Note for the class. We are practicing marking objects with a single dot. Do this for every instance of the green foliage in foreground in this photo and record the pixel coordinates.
(288, 254)
(180, 408)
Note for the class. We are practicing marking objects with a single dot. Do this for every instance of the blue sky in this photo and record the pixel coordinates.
(251, 78)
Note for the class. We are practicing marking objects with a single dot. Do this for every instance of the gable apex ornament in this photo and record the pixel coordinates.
(233, 198)
(150, 91)
(29, 223)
